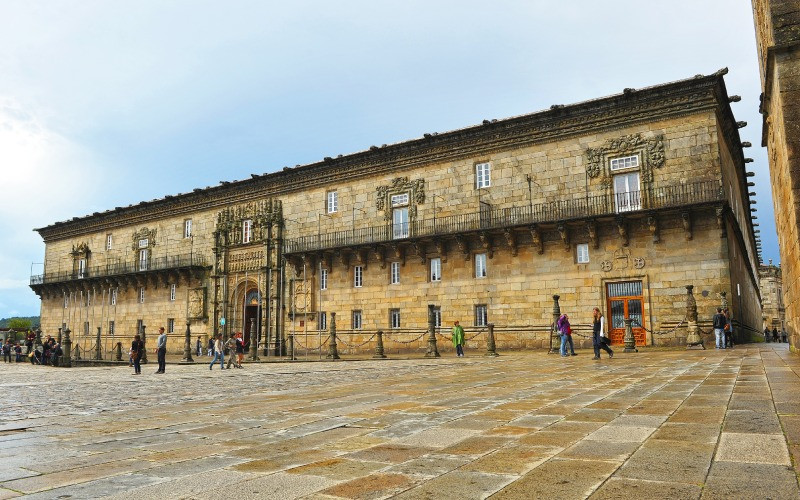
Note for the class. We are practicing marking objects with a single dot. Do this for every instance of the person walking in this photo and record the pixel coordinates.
(219, 354)
(599, 339)
(728, 330)
(718, 322)
(199, 347)
(7, 351)
(239, 350)
(774, 334)
(562, 325)
(458, 339)
(784, 336)
(230, 347)
(211, 346)
(161, 350)
(766, 334)
(137, 346)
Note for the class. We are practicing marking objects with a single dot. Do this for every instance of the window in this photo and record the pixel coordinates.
(481, 315)
(170, 325)
(86, 328)
(582, 253)
(437, 317)
(66, 301)
(436, 269)
(139, 326)
(187, 228)
(143, 259)
(358, 276)
(357, 320)
(624, 162)
(247, 230)
(172, 292)
(323, 279)
(141, 295)
(81, 268)
(400, 215)
(144, 243)
(109, 241)
(333, 202)
(394, 318)
(480, 265)
(322, 323)
(395, 273)
(483, 178)
(111, 328)
(114, 297)
(626, 192)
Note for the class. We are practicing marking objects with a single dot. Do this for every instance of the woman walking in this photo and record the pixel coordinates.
(599, 339)
(219, 354)
(137, 346)
(566, 332)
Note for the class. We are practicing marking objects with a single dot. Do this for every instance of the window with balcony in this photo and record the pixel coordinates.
(358, 276)
(172, 292)
(109, 241)
(481, 315)
(357, 324)
(141, 295)
(81, 268)
(323, 279)
(480, 265)
(247, 231)
(143, 259)
(187, 228)
(624, 162)
(627, 195)
(400, 216)
(395, 273)
(332, 204)
(483, 176)
(394, 318)
(436, 269)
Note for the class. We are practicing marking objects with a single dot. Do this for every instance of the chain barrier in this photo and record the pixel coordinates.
(410, 341)
(653, 332)
(310, 349)
(354, 346)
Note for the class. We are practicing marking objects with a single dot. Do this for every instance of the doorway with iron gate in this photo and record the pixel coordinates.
(625, 300)
(251, 311)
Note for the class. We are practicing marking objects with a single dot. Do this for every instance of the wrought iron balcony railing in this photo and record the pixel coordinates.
(119, 268)
(498, 218)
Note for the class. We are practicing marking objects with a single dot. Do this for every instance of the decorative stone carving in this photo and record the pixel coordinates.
(651, 151)
(463, 246)
(622, 257)
(486, 243)
(81, 249)
(720, 211)
(261, 213)
(606, 265)
(652, 224)
(536, 236)
(144, 233)
(511, 239)
(197, 303)
(564, 233)
(686, 219)
(419, 249)
(622, 228)
(441, 249)
(591, 228)
(399, 185)
(638, 262)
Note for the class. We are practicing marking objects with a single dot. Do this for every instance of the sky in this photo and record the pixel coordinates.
(108, 103)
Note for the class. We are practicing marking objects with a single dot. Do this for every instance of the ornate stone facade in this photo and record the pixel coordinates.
(778, 39)
(617, 203)
(771, 284)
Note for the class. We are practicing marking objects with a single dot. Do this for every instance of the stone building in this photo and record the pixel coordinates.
(618, 202)
(771, 284)
(778, 39)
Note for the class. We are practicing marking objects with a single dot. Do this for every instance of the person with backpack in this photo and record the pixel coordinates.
(728, 330)
(599, 339)
(562, 325)
(718, 322)
(137, 347)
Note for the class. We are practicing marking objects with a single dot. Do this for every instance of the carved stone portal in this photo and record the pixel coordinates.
(197, 303)
(651, 151)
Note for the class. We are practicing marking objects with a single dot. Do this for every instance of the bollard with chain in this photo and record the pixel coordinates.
(187, 346)
(119, 351)
(693, 337)
(144, 346)
(433, 351)
(66, 360)
(253, 340)
(630, 340)
(98, 351)
(555, 335)
(290, 347)
(379, 354)
(490, 346)
(333, 352)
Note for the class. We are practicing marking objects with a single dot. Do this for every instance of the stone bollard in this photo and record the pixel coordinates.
(290, 347)
(59, 335)
(693, 337)
(379, 354)
(143, 361)
(253, 340)
(433, 351)
(630, 340)
(490, 346)
(333, 352)
(98, 351)
(119, 351)
(66, 360)
(187, 346)
(38, 340)
(555, 335)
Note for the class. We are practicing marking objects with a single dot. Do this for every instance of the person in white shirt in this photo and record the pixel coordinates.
(599, 339)
(219, 354)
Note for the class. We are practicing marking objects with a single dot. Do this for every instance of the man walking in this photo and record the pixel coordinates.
(219, 353)
(718, 323)
(458, 339)
(161, 350)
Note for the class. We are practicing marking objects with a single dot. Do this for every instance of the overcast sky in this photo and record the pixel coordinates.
(107, 103)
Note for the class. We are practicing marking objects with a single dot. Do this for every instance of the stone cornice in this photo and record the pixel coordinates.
(608, 113)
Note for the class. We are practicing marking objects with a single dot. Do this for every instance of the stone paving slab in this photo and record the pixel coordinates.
(654, 424)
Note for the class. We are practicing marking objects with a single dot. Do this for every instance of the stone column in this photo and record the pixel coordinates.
(290, 347)
(379, 354)
(187, 346)
(692, 337)
(333, 352)
(490, 346)
(433, 351)
(555, 335)
(723, 300)
(253, 340)
(98, 350)
(144, 346)
(119, 351)
(630, 340)
(66, 359)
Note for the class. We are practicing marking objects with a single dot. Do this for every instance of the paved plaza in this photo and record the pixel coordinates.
(657, 424)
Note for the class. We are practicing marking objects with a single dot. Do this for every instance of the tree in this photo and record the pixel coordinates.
(19, 324)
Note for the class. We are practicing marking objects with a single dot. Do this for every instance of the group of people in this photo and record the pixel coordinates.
(723, 329)
(46, 354)
(137, 350)
(776, 337)
(235, 344)
(600, 339)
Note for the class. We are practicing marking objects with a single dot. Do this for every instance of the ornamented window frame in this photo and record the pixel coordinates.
(400, 185)
(649, 149)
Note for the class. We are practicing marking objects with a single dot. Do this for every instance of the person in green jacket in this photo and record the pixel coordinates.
(458, 339)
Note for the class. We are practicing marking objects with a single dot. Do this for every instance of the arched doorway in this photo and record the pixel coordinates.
(251, 310)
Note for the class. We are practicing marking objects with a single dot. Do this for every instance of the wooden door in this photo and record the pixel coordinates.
(625, 300)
